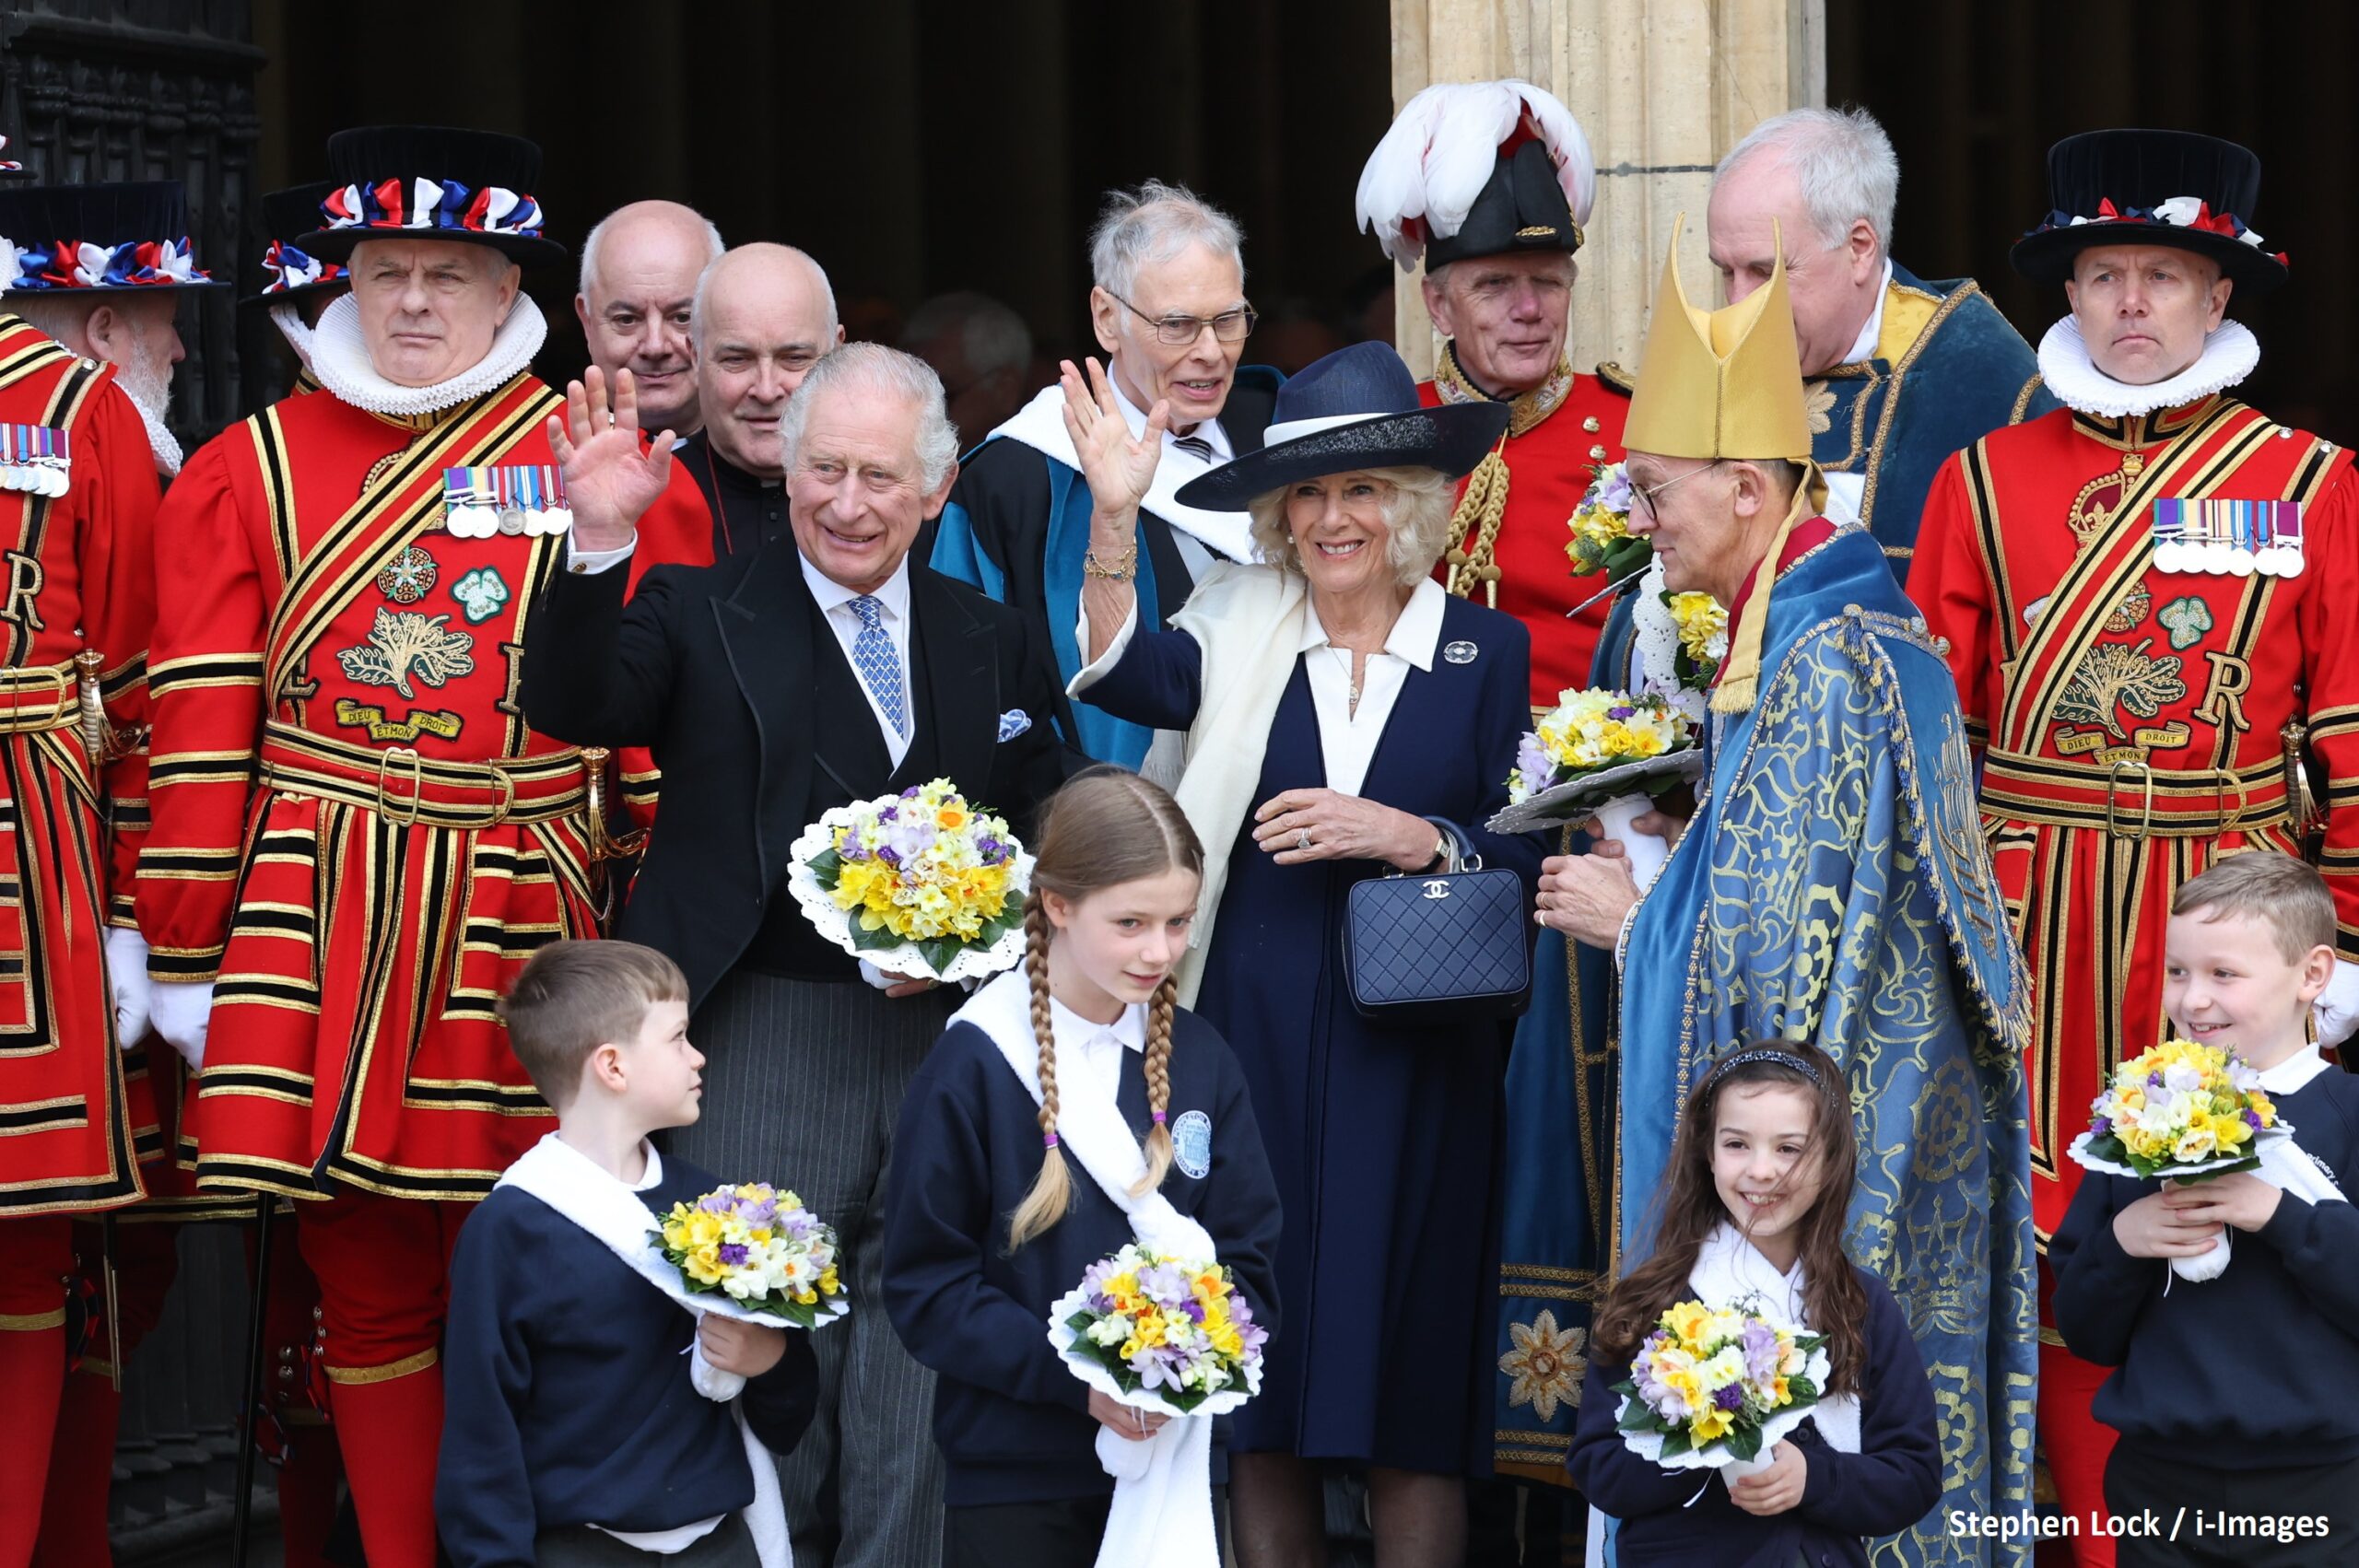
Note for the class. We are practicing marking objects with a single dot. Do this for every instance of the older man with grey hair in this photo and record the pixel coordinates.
(639, 268)
(773, 687)
(1900, 372)
(1168, 305)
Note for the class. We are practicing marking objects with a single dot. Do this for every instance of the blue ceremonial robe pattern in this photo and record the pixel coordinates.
(1835, 887)
(1384, 1142)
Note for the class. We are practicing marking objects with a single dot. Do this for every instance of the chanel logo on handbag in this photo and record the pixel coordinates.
(1420, 952)
(1437, 888)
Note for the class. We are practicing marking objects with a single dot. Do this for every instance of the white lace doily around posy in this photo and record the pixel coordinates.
(1577, 800)
(818, 907)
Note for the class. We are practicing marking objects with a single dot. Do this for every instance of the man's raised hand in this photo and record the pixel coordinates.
(610, 477)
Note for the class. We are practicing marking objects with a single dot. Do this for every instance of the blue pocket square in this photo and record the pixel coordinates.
(1012, 723)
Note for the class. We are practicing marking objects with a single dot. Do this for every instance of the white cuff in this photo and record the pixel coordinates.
(589, 563)
(1092, 672)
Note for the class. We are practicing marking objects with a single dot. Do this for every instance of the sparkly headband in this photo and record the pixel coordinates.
(1769, 1054)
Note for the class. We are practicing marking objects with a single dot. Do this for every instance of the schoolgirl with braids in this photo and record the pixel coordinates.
(991, 1217)
(1751, 1213)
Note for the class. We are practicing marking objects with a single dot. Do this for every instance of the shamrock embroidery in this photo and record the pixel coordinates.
(2186, 620)
(480, 594)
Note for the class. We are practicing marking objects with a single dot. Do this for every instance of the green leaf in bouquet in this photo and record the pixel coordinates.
(1745, 1442)
(1625, 555)
(827, 867)
(1637, 1417)
(878, 939)
(1800, 1390)
(939, 953)
(1675, 1443)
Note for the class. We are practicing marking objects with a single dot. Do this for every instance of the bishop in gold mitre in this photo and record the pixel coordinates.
(1831, 887)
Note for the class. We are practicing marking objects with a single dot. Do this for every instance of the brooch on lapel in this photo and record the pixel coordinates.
(1458, 652)
(1012, 723)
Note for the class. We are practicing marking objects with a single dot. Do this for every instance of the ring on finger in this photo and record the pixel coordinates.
(1302, 840)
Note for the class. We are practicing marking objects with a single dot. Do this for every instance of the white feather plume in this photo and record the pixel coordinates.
(1439, 153)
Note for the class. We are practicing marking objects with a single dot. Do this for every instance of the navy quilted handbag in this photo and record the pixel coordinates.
(1443, 948)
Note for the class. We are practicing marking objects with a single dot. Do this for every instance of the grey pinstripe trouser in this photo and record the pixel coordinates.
(802, 1085)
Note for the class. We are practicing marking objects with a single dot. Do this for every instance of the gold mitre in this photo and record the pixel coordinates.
(1719, 383)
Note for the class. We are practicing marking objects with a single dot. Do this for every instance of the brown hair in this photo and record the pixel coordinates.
(1688, 1208)
(1107, 827)
(2287, 895)
(576, 996)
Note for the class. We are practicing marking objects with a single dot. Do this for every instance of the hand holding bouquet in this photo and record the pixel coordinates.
(921, 884)
(1161, 1333)
(1718, 1388)
(760, 1251)
(1602, 540)
(2182, 1112)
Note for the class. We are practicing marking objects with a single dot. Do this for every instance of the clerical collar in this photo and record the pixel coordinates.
(340, 359)
(2230, 352)
(1527, 409)
(726, 473)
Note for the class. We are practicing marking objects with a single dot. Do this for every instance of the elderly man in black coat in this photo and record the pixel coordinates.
(772, 687)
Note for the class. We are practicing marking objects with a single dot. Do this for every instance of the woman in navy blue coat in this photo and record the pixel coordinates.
(1333, 700)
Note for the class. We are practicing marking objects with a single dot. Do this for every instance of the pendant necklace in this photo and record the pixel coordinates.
(1351, 678)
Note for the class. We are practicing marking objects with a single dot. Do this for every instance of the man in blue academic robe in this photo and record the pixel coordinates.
(1833, 886)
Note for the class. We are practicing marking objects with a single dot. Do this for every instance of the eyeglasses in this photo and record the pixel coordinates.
(1642, 496)
(1229, 326)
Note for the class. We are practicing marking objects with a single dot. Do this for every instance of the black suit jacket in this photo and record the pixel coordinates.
(716, 669)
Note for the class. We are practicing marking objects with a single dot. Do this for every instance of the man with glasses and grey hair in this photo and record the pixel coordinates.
(1898, 372)
(1167, 304)
(773, 686)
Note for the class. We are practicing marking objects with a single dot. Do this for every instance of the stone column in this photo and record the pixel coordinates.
(1664, 87)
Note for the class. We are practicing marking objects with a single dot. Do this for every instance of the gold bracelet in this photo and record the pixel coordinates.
(1129, 568)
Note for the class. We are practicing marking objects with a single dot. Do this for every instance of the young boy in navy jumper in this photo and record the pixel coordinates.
(573, 1434)
(2236, 1397)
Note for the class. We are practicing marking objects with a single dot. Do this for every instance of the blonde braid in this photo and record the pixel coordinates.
(1158, 1084)
(1052, 1194)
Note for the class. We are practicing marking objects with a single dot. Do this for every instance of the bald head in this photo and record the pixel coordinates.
(764, 315)
(638, 281)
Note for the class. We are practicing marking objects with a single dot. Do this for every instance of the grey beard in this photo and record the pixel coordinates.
(151, 394)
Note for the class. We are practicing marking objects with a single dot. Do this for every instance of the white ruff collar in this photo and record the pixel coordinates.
(340, 359)
(162, 444)
(2229, 354)
(288, 317)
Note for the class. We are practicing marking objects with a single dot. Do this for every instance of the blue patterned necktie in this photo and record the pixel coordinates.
(878, 662)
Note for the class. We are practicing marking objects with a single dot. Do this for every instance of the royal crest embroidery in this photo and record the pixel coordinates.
(1546, 1365)
(2186, 620)
(2115, 678)
(408, 578)
(402, 644)
(481, 593)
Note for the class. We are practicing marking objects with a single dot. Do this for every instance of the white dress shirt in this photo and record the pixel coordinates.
(1197, 556)
(1347, 739)
(1845, 491)
(1098, 1047)
(835, 603)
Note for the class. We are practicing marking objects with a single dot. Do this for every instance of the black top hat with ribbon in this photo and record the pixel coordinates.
(2175, 188)
(1355, 409)
(430, 182)
(127, 235)
(292, 271)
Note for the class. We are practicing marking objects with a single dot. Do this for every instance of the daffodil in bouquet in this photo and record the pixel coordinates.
(1602, 540)
(922, 883)
(1155, 1330)
(1703, 626)
(760, 1250)
(1590, 733)
(1716, 1387)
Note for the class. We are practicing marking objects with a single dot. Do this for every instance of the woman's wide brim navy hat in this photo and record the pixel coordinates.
(1360, 411)
(2177, 189)
(431, 182)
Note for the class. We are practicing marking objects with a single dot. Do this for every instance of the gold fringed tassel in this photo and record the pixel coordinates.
(1474, 531)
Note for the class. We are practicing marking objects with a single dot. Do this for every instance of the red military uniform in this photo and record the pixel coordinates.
(78, 581)
(360, 841)
(2132, 722)
(1558, 439)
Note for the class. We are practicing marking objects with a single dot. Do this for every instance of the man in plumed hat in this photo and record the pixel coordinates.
(2153, 667)
(1490, 183)
(78, 505)
(1167, 304)
(1834, 867)
(358, 839)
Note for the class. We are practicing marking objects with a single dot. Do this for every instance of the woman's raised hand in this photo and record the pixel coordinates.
(1118, 465)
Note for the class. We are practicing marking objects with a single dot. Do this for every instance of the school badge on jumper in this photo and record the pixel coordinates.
(2226, 538)
(33, 459)
(511, 498)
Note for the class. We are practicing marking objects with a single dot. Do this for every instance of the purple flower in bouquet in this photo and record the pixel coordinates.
(732, 1253)
(1614, 489)
(1760, 1344)
(1531, 761)
(1730, 1397)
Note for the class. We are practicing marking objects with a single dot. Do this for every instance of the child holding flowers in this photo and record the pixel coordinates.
(1750, 1221)
(1081, 1055)
(574, 1430)
(2232, 1394)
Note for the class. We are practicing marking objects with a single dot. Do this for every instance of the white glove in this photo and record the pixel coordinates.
(127, 979)
(182, 1009)
(2336, 1012)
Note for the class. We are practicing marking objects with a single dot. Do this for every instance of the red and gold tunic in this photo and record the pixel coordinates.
(2134, 719)
(79, 579)
(1558, 439)
(357, 838)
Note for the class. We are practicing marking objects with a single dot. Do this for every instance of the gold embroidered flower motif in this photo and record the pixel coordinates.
(1818, 406)
(2113, 678)
(1547, 1364)
(403, 644)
